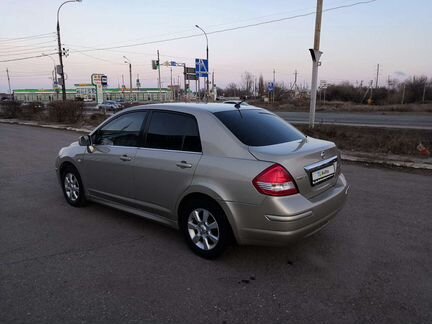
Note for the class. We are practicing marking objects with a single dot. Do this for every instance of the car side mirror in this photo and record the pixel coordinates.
(86, 141)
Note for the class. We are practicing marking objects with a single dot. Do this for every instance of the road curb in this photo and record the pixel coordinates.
(36, 124)
(360, 157)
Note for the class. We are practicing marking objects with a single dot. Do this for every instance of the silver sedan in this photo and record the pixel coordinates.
(220, 173)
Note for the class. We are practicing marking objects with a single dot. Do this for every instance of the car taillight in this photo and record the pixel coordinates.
(275, 181)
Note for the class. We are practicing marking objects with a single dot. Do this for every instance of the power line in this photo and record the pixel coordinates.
(36, 50)
(25, 39)
(99, 59)
(27, 53)
(27, 57)
(77, 50)
(228, 29)
(188, 36)
(9, 47)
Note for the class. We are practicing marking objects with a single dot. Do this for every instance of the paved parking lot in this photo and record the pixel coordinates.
(59, 264)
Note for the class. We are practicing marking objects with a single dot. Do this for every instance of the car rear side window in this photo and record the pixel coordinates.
(122, 131)
(258, 128)
(173, 131)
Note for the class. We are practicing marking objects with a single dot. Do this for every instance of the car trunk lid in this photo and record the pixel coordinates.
(310, 161)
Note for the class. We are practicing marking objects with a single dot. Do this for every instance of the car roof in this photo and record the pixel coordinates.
(193, 107)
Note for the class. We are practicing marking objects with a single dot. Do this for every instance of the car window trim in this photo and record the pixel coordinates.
(121, 115)
(149, 118)
(168, 150)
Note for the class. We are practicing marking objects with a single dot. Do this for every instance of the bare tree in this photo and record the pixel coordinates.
(281, 92)
(247, 83)
(231, 90)
(261, 86)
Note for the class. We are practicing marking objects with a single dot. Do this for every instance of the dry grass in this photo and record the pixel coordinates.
(372, 139)
(338, 106)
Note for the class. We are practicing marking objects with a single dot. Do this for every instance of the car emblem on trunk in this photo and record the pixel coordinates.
(322, 155)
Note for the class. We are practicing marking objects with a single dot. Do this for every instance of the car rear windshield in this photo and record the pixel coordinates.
(258, 128)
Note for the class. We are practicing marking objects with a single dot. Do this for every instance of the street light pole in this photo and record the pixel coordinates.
(130, 73)
(159, 77)
(54, 73)
(207, 57)
(60, 51)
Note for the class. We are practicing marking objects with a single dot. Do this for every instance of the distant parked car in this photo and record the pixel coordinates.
(109, 105)
(216, 172)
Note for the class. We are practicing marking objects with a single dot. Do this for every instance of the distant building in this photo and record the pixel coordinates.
(87, 92)
(42, 95)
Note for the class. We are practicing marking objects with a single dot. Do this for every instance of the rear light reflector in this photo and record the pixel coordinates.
(275, 181)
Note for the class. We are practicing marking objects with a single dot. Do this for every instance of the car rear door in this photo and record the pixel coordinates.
(108, 170)
(166, 162)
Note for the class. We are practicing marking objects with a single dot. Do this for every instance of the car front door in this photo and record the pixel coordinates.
(108, 169)
(166, 162)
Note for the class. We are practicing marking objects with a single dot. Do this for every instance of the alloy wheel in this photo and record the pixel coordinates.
(71, 186)
(203, 229)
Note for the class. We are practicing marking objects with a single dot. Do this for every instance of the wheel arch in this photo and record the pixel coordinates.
(66, 164)
(211, 197)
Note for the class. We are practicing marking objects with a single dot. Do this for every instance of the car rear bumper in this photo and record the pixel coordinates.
(280, 220)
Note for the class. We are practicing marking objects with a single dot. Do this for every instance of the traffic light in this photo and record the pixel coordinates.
(155, 64)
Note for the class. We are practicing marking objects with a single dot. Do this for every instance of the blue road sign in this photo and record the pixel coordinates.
(270, 87)
(201, 68)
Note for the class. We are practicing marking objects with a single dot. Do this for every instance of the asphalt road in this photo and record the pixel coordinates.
(402, 120)
(60, 264)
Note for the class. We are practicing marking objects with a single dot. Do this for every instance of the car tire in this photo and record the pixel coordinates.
(205, 228)
(72, 186)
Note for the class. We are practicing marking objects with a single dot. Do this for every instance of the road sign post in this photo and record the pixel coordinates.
(201, 67)
(99, 81)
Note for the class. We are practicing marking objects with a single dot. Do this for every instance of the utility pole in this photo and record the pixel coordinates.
(185, 83)
(213, 87)
(316, 55)
(207, 57)
(159, 78)
(376, 82)
(198, 90)
(274, 84)
(172, 90)
(171, 76)
(403, 94)
(130, 78)
(130, 75)
(60, 51)
(424, 93)
(10, 91)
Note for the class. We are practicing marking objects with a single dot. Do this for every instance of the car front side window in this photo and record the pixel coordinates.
(122, 131)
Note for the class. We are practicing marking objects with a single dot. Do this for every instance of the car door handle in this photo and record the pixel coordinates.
(126, 158)
(184, 165)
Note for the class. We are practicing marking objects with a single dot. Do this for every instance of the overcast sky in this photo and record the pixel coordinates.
(396, 34)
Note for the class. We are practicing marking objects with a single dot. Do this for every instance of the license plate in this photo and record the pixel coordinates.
(323, 174)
